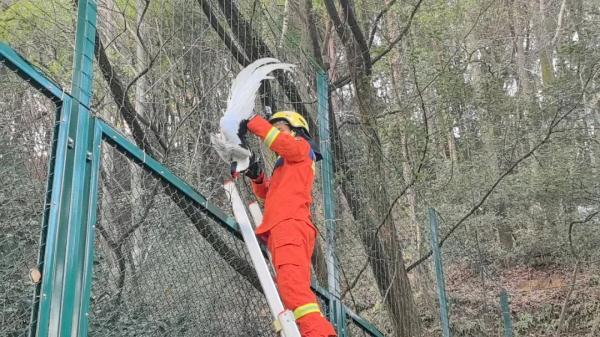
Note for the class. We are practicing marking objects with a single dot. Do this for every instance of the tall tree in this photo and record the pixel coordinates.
(370, 201)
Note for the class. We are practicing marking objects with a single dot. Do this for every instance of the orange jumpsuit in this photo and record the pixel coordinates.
(286, 225)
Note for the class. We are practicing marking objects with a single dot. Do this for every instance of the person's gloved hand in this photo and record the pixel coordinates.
(254, 171)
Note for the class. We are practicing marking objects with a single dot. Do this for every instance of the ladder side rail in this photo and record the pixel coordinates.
(285, 317)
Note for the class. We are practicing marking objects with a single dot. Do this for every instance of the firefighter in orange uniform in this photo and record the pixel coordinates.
(286, 226)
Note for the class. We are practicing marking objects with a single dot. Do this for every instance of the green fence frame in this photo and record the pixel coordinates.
(48, 241)
(439, 272)
(69, 222)
(67, 240)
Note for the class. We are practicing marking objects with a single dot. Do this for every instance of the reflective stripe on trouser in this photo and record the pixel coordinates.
(291, 244)
(306, 309)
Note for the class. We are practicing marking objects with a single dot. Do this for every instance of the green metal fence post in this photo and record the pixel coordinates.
(65, 288)
(91, 226)
(439, 273)
(51, 245)
(55, 174)
(336, 313)
(506, 319)
(38, 80)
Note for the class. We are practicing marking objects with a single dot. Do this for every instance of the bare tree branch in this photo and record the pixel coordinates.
(358, 34)
(401, 35)
(226, 38)
(563, 309)
(346, 79)
(126, 108)
(385, 9)
(587, 219)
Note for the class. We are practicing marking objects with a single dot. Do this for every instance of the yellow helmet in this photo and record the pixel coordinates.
(293, 118)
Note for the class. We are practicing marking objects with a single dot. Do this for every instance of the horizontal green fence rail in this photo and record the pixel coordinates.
(30, 73)
(111, 135)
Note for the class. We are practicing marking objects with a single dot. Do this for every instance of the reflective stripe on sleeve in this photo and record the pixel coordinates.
(271, 136)
(306, 309)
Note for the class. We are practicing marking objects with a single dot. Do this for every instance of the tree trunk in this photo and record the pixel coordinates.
(423, 274)
(368, 199)
(378, 234)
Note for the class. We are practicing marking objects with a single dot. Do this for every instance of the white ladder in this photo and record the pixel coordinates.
(283, 319)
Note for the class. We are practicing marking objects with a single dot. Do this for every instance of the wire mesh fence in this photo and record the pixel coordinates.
(353, 330)
(446, 123)
(162, 74)
(164, 70)
(174, 61)
(368, 245)
(27, 121)
(162, 268)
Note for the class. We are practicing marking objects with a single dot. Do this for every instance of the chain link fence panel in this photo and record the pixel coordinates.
(27, 122)
(162, 267)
